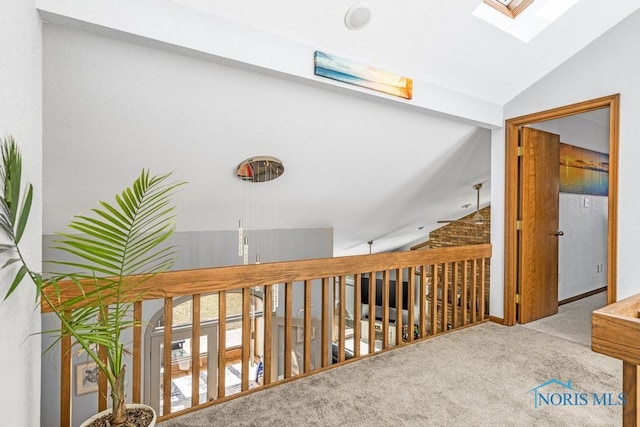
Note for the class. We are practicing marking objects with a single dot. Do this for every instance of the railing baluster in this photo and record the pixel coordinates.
(288, 327)
(65, 379)
(102, 380)
(385, 309)
(411, 303)
(399, 286)
(246, 336)
(465, 290)
(356, 314)
(326, 318)
(474, 296)
(423, 301)
(342, 319)
(482, 287)
(137, 353)
(267, 317)
(222, 343)
(195, 350)
(454, 295)
(307, 326)
(372, 312)
(434, 299)
(168, 334)
(445, 296)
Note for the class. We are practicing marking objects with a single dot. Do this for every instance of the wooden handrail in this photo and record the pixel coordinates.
(207, 280)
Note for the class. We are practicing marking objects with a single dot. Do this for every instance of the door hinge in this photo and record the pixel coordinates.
(518, 299)
(520, 151)
(518, 225)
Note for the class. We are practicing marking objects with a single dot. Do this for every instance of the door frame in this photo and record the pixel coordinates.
(512, 189)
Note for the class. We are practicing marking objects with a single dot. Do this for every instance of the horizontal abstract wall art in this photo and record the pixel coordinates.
(583, 171)
(346, 71)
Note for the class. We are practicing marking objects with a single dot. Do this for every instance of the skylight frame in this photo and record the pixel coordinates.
(511, 11)
(529, 24)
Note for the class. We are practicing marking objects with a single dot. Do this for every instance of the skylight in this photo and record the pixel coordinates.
(523, 19)
(511, 8)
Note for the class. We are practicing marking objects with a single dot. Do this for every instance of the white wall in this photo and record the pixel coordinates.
(220, 248)
(607, 66)
(582, 251)
(580, 130)
(21, 116)
(104, 97)
(583, 246)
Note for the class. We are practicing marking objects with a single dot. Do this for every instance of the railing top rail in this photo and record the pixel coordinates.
(185, 282)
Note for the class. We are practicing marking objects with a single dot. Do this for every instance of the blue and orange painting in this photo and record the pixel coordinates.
(583, 171)
(346, 71)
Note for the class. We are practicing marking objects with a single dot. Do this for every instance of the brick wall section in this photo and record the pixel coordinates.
(461, 234)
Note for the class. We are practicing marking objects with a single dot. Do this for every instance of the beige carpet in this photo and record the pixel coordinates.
(481, 376)
(573, 321)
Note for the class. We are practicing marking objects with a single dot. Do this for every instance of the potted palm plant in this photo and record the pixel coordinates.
(120, 246)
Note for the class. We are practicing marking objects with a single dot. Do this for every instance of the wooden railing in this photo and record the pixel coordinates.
(434, 291)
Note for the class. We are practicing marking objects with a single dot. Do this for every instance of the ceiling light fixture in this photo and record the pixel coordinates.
(260, 169)
(357, 16)
(257, 169)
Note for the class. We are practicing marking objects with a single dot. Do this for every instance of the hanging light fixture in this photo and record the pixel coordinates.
(260, 169)
(246, 251)
(240, 238)
(255, 169)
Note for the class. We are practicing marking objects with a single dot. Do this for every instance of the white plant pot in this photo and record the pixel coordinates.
(128, 405)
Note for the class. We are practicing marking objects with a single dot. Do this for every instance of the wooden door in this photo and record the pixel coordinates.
(538, 235)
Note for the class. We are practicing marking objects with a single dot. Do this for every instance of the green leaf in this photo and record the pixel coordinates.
(12, 174)
(95, 250)
(98, 233)
(24, 213)
(12, 224)
(123, 205)
(115, 212)
(16, 281)
(11, 261)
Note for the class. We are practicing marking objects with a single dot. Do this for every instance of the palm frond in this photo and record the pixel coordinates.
(124, 237)
(118, 240)
(13, 214)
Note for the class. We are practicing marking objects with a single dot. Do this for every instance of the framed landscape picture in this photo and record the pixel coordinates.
(583, 171)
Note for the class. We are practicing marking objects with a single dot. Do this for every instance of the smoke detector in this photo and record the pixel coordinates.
(357, 16)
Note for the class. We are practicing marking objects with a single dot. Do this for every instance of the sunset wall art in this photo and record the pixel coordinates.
(583, 171)
(346, 71)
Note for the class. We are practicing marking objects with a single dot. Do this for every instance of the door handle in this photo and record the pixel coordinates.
(559, 233)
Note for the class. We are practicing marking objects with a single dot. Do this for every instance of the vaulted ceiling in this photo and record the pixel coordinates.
(197, 86)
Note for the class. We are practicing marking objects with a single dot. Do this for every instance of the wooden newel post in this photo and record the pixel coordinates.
(615, 331)
(630, 416)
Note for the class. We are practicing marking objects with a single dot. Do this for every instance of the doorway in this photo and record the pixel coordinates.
(513, 188)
